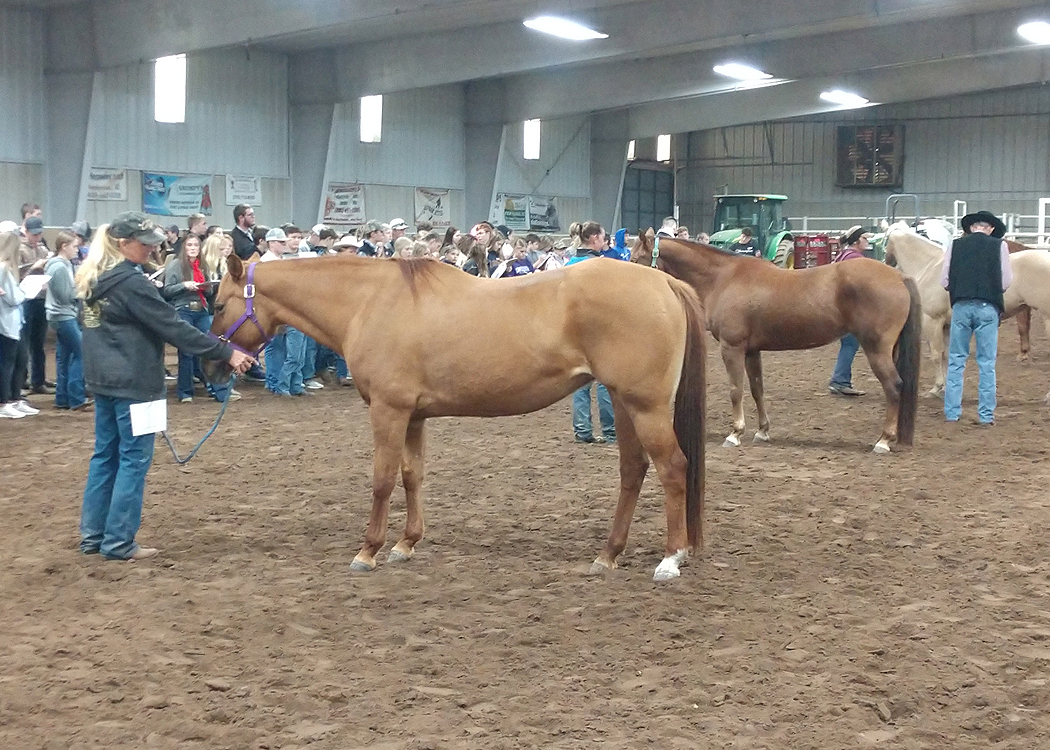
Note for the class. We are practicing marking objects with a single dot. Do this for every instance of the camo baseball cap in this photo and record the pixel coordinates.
(131, 225)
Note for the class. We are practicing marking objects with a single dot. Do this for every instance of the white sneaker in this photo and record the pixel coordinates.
(313, 384)
(9, 411)
(25, 408)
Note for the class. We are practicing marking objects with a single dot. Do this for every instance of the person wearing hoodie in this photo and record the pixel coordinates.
(592, 240)
(126, 324)
(619, 249)
(13, 349)
(62, 309)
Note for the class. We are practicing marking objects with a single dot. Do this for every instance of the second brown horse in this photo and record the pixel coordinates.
(752, 306)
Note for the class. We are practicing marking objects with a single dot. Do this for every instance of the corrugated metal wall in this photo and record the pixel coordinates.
(21, 85)
(422, 143)
(236, 118)
(22, 110)
(564, 166)
(991, 150)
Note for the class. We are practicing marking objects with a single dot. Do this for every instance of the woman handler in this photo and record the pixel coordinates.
(126, 323)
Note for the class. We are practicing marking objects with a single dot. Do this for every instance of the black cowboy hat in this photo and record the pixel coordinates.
(983, 217)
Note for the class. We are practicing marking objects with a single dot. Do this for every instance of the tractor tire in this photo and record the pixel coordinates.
(785, 257)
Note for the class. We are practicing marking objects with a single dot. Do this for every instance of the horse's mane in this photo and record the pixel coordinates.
(413, 269)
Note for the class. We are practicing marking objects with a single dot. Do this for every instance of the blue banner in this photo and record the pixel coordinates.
(176, 195)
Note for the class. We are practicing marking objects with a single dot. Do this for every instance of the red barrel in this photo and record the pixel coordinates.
(801, 251)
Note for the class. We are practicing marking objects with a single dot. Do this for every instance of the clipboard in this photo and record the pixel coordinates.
(149, 417)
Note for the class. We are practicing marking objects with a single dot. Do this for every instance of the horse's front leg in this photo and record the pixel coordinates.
(753, 365)
(1024, 331)
(933, 329)
(389, 426)
(633, 466)
(412, 478)
(733, 357)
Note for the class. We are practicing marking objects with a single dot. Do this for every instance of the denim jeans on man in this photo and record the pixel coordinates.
(69, 364)
(189, 365)
(979, 319)
(112, 510)
(843, 374)
(290, 379)
(275, 351)
(309, 368)
(34, 331)
(328, 358)
(581, 413)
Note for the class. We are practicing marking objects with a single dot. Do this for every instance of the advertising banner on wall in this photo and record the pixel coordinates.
(432, 206)
(176, 195)
(243, 190)
(107, 184)
(344, 204)
(543, 214)
(511, 210)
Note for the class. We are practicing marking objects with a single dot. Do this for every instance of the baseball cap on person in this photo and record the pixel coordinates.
(276, 235)
(172, 228)
(317, 229)
(81, 229)
(398, 224)
(132, 225)
(34, 225)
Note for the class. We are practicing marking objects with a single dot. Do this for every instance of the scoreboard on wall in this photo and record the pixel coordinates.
(870, 155)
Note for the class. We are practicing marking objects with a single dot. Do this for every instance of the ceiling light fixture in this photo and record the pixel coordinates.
(741, 72)
(843, 98)
(1036, 32)
(563, 28)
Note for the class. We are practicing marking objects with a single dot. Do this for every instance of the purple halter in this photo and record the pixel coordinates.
(249, 314)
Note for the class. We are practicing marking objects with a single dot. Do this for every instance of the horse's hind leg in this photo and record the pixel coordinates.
(734, 361)
(412, 478)
(633, 465)
(881, 361)
(1024, 331)
(753, 365)
(389, 426)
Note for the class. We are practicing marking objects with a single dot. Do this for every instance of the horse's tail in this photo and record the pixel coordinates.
(906, 359)
(689, 408)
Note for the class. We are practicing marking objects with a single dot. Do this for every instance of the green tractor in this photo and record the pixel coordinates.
(768, 226)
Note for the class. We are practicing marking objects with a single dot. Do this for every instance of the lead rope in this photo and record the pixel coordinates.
(208, 434)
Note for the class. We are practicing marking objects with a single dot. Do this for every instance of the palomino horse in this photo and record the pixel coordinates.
(753, 306)
(922, 260)
(518, 345)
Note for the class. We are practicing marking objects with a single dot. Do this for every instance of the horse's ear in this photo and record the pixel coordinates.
(234, 267)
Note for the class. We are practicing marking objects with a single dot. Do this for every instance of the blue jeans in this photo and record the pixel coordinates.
(69, 364)
(189, 364)
(309, 368)
(981, 320)
(290, 380)
(581, 413)
(112, 510)
(327, 358)
(843, 374)
(34, 332)
(275, 360)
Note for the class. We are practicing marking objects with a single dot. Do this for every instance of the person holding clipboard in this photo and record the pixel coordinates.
(126, 324)
(188, 289)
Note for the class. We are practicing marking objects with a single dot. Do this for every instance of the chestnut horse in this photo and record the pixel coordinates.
(513, 346)
(922, 259)
(753, 306)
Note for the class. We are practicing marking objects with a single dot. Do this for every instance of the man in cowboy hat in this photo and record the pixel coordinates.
(976, 272)
(854, 242)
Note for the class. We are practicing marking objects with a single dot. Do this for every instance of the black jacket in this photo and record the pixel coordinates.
(243, 244)
(976, 271)
(126, 323)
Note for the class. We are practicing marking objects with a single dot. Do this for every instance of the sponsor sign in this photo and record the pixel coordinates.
(176, 195)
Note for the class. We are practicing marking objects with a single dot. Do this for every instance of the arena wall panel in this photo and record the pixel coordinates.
(22, 130)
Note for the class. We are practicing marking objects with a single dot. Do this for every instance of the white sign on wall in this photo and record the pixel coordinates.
(344, 204)
(107, 184)
(243, 190)
(511, 211)
(432, 206)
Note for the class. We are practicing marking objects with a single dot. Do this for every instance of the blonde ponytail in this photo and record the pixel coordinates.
(103, 255)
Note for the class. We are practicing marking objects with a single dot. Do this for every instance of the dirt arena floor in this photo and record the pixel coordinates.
(844, 600)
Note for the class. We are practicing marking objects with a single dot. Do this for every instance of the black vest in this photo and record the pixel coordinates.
(976, 271)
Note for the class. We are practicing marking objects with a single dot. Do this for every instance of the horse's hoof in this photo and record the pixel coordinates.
(880, 448)
(359, 567)
(731, 442)
(397, 556)
(598, 568)
(669, 566)
(761, 437)
(668, 574)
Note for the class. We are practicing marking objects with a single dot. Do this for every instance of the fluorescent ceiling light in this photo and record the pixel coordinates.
(843, 98)
(1037, 32)
(741, 72)
(563, 28)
